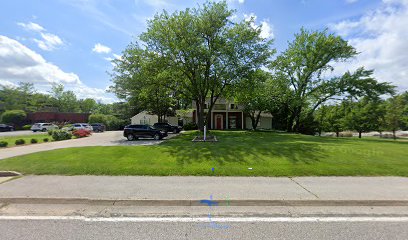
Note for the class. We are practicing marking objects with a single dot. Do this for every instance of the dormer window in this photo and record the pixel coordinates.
(233, 106)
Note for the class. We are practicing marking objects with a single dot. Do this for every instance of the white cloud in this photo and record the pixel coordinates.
(381, 38)
(48, 41)
(99, 48)
(31, 26)
(236, 1)
(18, 63)
(351, 1)
(266, 27)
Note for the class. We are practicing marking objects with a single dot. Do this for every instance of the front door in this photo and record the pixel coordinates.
(218, 122)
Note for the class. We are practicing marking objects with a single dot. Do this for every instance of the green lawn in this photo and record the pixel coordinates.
(268, 153)
(12, 139)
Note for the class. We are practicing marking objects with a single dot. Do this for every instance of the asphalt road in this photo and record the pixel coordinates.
(77, 229)
(109, 138)
(18, 133)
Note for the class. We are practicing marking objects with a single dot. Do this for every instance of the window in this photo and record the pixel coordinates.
(144, 121)
(233, 106)
(232, 122)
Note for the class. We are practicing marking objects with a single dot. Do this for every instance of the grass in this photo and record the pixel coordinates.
(267, 153)
(11, 139)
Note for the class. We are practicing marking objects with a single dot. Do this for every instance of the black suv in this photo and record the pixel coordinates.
(133, 132)
(6, 128)
(167, 127)
(98, 127)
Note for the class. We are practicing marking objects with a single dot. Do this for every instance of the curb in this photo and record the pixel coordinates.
(197, 203)
(9, 174)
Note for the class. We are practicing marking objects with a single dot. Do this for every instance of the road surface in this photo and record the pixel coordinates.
(78, 229)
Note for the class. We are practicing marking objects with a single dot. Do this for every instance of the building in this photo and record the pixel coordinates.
(228, 115)
(225, 115)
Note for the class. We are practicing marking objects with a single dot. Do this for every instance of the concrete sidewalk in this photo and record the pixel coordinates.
(189, 189)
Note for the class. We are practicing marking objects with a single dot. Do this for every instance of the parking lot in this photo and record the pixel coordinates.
(111, 138)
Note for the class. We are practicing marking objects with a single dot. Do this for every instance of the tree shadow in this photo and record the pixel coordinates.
(244, 147)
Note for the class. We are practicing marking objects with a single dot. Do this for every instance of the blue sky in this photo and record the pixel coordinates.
(72, 41)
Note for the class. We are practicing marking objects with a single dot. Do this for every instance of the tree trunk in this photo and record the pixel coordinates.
(394, 135)
(359, 134)
(255, 120)
(201, 115)
(337, 134)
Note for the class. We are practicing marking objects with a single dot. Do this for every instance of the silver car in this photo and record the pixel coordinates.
(85, 126)
(43, 127)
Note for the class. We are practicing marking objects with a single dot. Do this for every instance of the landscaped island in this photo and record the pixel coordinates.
(267, 153)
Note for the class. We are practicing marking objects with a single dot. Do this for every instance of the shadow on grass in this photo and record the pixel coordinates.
(244, 147)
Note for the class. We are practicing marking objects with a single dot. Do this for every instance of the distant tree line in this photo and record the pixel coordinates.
(16, 102)
(364, 115)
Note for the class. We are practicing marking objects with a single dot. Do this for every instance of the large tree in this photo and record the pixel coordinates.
(208, 51)
(252, 93)
(304, 65)
(141, 78)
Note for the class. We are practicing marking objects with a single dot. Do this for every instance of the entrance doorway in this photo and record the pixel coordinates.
(219, 121)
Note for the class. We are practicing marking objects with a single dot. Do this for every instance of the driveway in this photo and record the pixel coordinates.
(19, 133)
(112, 138)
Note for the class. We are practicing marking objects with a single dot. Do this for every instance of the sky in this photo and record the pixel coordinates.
(73, 41)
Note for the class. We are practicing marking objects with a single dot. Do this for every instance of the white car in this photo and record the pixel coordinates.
(78, 126)
(43, 127)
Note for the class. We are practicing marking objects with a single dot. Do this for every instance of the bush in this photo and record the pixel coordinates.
(46, 140)
(20, 142)
(81, 133)
(59, 135)
(190, 126)
(3, 144)
(26, 127)
(33, 140)
(50, 132)
(13, 117)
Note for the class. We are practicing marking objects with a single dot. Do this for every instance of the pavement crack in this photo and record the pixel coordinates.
(300, 185)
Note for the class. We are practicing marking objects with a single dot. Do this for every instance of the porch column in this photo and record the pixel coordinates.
(226, 121)
(242, 122)
(212, 120)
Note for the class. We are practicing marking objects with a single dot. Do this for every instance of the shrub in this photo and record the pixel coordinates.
(26, 127)
(59, 135)
(50, 132)
(20, 142)
(81, 133)
(46, 140)
(33, 140)
(3, 144)
(190, 126)
(13, 117)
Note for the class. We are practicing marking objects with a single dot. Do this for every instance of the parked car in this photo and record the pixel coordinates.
(98, 127)
(43, 127)
(78, 126)
(6, 128)
(167, 127)
(134, 132)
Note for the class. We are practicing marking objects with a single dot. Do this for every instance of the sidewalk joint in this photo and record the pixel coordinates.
(303, 187)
